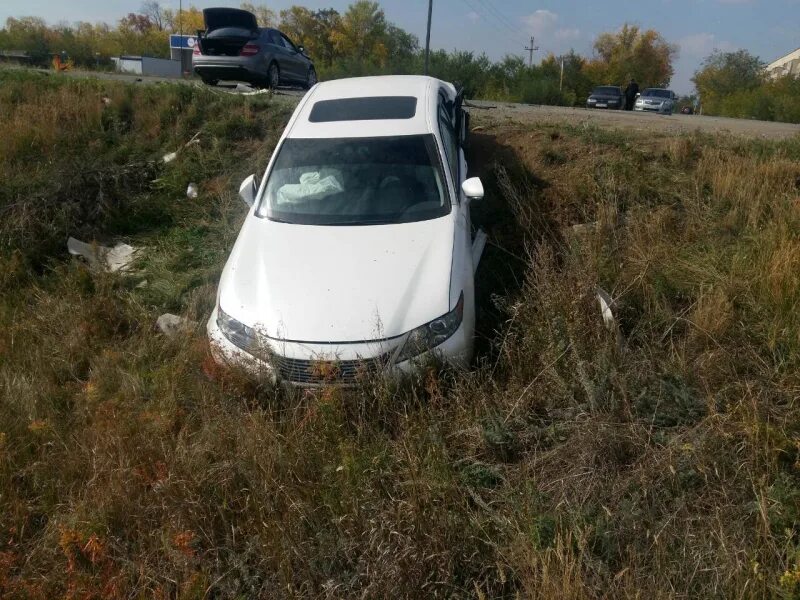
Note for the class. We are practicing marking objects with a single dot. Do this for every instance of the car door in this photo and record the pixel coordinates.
(296, 65)
(462, 278)
(455, 163)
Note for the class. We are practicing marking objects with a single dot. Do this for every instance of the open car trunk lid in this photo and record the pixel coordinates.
(227, 31)
(223, 18)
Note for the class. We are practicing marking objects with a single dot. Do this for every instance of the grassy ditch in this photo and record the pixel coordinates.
(660, 460)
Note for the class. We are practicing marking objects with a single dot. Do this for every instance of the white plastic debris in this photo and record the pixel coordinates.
(605, 308)
(103, 258)
(246, 90)
(192, 191)
(168, 158)
(106, 100)
(170, 324)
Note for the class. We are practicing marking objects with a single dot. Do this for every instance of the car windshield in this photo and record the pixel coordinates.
(656, 93)
(607, 91)
(356, 181)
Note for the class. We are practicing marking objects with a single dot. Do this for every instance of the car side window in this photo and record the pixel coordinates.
(274, 38)
(449, 139)
(288, 44)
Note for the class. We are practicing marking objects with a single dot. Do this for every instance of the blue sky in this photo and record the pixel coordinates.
(768, 28)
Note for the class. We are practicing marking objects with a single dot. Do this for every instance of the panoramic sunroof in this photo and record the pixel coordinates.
(376, 108)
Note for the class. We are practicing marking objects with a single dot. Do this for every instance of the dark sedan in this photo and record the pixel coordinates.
(606, 96)
(234, 48)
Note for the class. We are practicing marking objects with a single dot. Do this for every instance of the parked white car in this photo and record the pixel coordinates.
(357, 254)
(656, 100)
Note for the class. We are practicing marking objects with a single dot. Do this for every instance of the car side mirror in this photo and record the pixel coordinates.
(473, 188)
(248, 190)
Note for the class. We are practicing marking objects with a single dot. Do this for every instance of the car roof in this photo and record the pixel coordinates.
(307, 124)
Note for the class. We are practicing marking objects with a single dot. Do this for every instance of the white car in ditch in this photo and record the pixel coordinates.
(357, 255)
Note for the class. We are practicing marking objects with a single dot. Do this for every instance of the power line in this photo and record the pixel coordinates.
(493, 22)
(504, 20)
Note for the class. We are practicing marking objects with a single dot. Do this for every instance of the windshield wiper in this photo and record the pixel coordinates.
(361, 222)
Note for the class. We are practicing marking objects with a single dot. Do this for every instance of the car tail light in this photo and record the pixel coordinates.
(250, 49)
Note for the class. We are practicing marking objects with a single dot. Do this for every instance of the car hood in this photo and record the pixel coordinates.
(338, 284)
(604, 97)
(217, 18)
(653, 98)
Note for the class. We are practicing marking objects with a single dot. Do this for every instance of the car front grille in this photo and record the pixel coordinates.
(321, 372)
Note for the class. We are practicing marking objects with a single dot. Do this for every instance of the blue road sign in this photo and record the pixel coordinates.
(185, 42)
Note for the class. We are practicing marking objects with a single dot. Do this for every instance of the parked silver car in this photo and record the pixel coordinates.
(656, 100)
(234, 48)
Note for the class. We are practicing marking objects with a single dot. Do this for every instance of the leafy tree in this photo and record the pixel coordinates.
(264, 16)
(136, 23)
(311, 29)
(632, 53)
(31, 35)
(188, 20)
(576, 81)
(153, 10)
(361, 33)
(724, 74)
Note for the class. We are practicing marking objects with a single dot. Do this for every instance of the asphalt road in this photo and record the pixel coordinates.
(502, 112)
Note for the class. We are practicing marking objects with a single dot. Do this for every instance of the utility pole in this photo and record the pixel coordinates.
(428, 37)
(180, 33)
(531, 49)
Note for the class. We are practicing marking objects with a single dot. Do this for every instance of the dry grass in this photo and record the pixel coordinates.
(564, 465)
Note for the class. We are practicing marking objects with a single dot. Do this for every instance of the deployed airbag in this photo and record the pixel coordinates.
(312, 186)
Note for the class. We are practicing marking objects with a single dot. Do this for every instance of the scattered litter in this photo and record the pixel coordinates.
(191, 191)
(168, 158)
(170, 324)
(104, 258)
(471, 105)
(606, 310)
(142, 284)
(478, 128)
(585, 227)
(246, 90)
(106, 100)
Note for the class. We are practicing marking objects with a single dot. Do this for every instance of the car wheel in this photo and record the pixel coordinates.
(311, 78)
(273, 76)
(208, 81)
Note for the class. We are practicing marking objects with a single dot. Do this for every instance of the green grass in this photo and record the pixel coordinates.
(565, 464)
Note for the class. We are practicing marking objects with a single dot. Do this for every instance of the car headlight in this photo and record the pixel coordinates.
(238, 334)
(433, 334)
(591, 100)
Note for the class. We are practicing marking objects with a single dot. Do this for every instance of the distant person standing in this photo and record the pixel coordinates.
(630, 94)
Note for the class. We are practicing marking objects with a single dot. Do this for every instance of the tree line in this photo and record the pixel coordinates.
(362, 41)
(736, 84)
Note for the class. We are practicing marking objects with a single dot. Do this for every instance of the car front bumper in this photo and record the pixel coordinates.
(316, 365)
(604, 105)
(659, 108)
